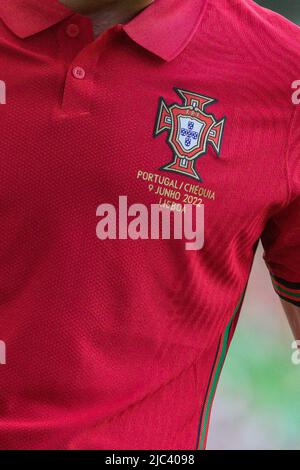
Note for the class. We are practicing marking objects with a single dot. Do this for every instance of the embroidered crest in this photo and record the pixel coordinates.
(190, 130)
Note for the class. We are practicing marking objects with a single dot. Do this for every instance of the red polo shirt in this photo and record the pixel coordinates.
(118, 344)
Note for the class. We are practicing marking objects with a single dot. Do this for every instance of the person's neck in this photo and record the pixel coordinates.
(123, 9)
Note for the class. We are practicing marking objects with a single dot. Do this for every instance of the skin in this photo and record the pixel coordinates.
(109, 12)
(121, 8)
(112, 12)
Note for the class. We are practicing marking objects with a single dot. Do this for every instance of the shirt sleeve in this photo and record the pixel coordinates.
(281, 237)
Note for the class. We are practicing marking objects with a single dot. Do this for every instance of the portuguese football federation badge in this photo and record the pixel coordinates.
(190, 131)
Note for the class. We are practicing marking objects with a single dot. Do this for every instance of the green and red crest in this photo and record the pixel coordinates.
(190, 130)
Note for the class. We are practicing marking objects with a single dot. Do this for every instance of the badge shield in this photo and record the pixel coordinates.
(190, 131)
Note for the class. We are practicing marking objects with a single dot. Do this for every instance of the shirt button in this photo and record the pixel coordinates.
(73, 30)
(78, 72)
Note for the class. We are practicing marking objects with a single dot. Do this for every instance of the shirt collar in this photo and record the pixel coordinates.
(167, 26)
(28, 17)
(164, 28)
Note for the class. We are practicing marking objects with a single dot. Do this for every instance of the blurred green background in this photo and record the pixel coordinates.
(257, 405)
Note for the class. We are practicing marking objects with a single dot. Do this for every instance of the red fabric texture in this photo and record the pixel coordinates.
(110, 344)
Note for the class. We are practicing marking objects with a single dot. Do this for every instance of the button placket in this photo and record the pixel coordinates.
(79, 85)
(78, 72)
(75, 37)
(73, 30)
